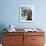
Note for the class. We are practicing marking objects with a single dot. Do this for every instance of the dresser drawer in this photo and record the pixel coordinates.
(13, 44)
(12, 39)
(34, 33)
(8, 45)
(37, 44)
(37, 39)
(13, 33)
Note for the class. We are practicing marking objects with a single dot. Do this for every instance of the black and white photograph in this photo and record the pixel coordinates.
(26, 13)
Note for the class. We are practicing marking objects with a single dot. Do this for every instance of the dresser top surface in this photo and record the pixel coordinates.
(22, 30)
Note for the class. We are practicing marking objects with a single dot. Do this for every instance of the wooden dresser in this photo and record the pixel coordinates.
(23, 38)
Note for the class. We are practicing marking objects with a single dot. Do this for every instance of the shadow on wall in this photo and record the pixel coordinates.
(2, 26)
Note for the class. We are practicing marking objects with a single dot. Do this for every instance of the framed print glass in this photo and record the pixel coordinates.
(26, 13)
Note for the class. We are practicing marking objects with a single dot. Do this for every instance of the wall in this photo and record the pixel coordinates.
(10, 13)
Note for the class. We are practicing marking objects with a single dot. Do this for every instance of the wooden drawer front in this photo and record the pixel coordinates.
(12, 44)
(33, 33)
(10, 39)
(13, 33)
(5, 40)
(13, 40)
(37, 45)
(37, 39)
(33, 40)
(27, 41)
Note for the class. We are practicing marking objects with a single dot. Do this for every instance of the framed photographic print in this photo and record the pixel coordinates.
(26, 13)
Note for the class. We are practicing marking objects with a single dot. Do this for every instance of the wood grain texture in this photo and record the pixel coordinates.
(13, 39)
(34, 39)
(23, 38)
